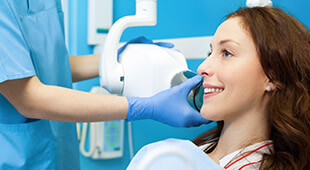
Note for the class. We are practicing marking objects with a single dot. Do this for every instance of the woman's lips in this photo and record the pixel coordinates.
(211, 90)
(207, 95)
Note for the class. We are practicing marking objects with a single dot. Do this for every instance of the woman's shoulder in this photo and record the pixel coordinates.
(247, 158)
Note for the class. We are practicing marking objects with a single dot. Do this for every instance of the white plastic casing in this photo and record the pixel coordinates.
(111, 72)
(148, 69)
(100, 17)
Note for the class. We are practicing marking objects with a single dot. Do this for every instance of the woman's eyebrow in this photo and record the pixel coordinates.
(226, 41)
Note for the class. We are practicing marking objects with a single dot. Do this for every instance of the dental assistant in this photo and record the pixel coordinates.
(36, 102)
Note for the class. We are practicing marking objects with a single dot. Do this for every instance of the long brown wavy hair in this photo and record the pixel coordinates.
(283, 46)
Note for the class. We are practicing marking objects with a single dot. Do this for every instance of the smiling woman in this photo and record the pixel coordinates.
(260, 60)
(256, 85)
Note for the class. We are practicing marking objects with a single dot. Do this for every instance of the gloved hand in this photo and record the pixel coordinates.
(143, 40)
(169, 106)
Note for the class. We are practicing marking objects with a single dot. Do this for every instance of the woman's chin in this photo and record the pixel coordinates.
(211, 115)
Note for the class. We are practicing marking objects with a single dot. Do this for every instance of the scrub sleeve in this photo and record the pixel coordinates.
(32, 43)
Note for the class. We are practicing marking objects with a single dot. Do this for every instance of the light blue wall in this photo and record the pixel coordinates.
(176, 18)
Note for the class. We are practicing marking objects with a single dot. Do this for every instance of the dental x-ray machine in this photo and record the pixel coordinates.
(141, 70)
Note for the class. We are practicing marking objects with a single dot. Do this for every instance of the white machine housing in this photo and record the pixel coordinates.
(143, 69)
(111, 71)
(149, 68)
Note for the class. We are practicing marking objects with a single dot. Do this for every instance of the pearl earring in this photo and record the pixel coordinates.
(268, 88)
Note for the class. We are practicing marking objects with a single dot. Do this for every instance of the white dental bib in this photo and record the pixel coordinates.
(172, 154)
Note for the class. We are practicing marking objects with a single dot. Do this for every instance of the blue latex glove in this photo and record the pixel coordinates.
(143, 40)
(169, 106)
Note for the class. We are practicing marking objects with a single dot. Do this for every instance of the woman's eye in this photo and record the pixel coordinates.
(226, 53)
(209, 53)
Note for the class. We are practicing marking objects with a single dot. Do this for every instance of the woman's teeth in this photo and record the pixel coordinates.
(209, 90)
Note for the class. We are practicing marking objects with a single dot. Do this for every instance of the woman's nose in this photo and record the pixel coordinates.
(205, 69)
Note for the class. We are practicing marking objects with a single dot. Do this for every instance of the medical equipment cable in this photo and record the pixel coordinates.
(78, 130)
(130, 142)
(83, 139)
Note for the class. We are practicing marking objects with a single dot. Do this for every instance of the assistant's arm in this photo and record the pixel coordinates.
(36, 100)
(84, 67)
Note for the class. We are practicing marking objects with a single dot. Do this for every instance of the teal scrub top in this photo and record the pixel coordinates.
(32, 43)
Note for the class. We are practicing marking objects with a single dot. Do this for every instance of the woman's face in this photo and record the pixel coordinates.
(234, 80)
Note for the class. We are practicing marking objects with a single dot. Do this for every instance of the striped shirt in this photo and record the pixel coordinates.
(246, 158)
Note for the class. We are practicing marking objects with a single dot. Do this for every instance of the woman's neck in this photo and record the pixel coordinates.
(243, 131)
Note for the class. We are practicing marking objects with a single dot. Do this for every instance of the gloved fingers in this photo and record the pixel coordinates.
(165, 44)
(141, 39)
(136, 40)
(120, 50)
(144, 40)
(189, 84)
(192, 119)
(197, 120)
